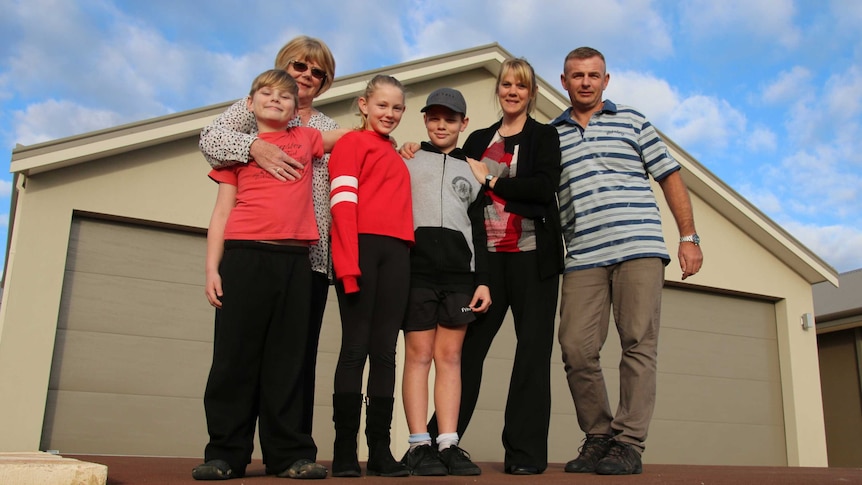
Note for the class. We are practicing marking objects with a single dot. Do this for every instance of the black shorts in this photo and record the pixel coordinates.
(426, 308)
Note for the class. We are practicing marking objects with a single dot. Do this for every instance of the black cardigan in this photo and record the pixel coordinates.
(532, 193)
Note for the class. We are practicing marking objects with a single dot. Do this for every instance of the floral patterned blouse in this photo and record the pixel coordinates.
(227, 141)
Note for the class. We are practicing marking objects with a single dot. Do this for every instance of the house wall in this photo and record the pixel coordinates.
(741, 264)
(166, 184)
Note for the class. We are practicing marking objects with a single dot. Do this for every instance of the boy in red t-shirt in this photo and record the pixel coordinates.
(258, 277)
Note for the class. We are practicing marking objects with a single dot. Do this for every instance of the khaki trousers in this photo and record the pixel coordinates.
(633, 289)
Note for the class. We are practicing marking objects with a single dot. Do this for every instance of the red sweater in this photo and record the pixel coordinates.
(370, 194)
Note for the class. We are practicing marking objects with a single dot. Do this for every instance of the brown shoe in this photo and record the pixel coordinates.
(595, 448)
(622, 459)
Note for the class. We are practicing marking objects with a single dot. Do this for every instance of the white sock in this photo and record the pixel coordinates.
(445, 440)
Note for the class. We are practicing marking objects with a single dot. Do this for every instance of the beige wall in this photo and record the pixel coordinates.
(167, 184)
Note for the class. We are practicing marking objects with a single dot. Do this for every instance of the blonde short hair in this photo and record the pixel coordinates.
(524, 73)
(313, 50)
(275, 78)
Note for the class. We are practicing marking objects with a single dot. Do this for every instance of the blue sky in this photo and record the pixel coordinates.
(767, 94)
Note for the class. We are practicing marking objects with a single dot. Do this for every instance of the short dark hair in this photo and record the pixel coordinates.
(584, 53)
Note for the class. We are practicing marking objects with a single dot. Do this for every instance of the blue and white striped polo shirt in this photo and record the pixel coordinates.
(608, 209)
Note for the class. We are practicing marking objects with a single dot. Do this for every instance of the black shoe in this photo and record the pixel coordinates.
(304, 469)
(622, 459)
(214, 470)
(423, 461)
(458, 462)
(522, 470)
(595, 448)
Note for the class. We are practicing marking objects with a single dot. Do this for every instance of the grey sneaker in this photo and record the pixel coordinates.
(458, 462)
(622, 459)
(423, 461)
(304, 469)
(595, 448)
(214, 470)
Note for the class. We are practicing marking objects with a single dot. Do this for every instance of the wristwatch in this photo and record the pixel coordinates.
(488, 179)
(694, 238)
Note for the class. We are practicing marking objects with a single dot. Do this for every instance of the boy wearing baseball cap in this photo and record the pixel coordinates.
(448, 286)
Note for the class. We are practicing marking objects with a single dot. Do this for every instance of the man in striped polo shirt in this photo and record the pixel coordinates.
(615, 258)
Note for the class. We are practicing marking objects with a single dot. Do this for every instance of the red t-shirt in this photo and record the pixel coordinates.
(267, 209)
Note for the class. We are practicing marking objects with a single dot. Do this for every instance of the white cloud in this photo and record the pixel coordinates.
(764, 199)
(843, 94)
(765, 20)
(812, 188)
(705, 121)
(542, 31)
(41, 122)
(838, 245)
(788, 86)
(652, 96)
(762, 139)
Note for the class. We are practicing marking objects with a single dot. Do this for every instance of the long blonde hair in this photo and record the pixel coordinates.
(372, 86)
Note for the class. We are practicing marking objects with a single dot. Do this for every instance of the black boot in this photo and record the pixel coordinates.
(378, 421)
(346, 411)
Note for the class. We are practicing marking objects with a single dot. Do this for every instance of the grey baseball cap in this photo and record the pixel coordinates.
(448, 97)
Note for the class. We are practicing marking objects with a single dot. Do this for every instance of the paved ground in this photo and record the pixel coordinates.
(124, 470)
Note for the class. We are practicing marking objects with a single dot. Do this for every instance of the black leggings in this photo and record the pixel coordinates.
(372, 317)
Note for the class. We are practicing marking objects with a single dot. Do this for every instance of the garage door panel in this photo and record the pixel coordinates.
(717, 355)
(718, 400)
(127, 250)
(723, 314)
(112, 363)
(699, 443)
(134, 306)
(120, 424)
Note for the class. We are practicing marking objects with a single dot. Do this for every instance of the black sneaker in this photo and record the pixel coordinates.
(458, 462)
(304, 469)
(423, 461)
(622, 459)
(595, 448)
(214, 470)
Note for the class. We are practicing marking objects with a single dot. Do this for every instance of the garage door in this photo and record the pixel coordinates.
(134, 346)
(719, 393)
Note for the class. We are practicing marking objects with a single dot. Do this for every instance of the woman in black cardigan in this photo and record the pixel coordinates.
(518, 161)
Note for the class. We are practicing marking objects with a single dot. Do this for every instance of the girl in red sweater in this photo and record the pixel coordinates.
(372, 231)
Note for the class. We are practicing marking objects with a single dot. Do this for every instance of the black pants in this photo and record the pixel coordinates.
(372, 317)
(515, 284)
(259, 354)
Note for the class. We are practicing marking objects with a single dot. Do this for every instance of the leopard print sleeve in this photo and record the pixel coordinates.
(227, 140)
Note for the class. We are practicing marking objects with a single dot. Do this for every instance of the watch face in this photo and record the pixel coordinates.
(694, 238)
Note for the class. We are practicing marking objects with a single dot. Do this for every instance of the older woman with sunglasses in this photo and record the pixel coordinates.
(232, 138)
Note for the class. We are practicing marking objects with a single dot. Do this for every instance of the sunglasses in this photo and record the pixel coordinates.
(302, 67)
